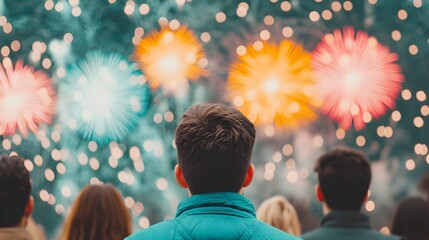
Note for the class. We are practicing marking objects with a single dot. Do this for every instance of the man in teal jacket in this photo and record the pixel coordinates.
(214, 146)
(344, 177)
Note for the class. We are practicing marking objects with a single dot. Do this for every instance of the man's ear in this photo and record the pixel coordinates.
(29, 207)
(178, 173)
(249, 176)
(319, 193)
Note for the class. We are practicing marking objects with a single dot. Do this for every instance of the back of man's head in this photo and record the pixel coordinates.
(15, 189)
(214, 146)
(344, 177)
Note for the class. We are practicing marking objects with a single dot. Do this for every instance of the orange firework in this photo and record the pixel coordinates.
(273, 84)
(169, 58)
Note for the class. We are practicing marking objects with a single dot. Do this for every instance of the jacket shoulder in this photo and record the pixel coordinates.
(347, 234)
(163, 230)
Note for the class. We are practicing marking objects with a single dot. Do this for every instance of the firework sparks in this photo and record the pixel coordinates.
(273, 84)
(27, 99)
(356, 76)
(103, 96)
(169, 58)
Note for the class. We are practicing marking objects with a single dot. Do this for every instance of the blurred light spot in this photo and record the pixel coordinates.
(340, 133)
(65, 191)
(326, 14)
(370, 206)
(360, 141)
(220, 17)
(38, 160)
(49, 175)
(29, 165)
(348, 6)
(336, 6)
(144, 9)
(417, 3)
(61, 168)
(418, 122)
(406, 94)
(162, 184)
(94, 164)
(421, 96)
(269, 20)
(92, 146)
(285, 6)
(205, 37)
(264, 35)
(268, 175)
(241, 50)
(270, 131)
(144, 222)
(314, 16)
(129, 202)
(290, 164)
(396, 35)
(277, 157)
(413, 49)
(402, 14)
(396, 116)
(410, 164)
(287, 150)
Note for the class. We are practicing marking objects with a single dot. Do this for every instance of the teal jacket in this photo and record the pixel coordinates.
(346, 225)
(213, 216)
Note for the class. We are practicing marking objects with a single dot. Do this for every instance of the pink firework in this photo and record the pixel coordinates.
(27, 98)
(356, 76)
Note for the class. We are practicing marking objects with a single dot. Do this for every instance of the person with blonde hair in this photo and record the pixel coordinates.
(279, 212)
(98, 213)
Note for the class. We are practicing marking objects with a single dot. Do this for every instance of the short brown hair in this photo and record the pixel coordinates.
(344, 177)
(98, 213)
(15, 190)
(214, 146)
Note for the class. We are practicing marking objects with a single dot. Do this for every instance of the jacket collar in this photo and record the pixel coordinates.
(346, 219)
(227, 203)
(15, 233)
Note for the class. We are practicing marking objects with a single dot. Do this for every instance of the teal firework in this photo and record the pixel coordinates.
(103, 97)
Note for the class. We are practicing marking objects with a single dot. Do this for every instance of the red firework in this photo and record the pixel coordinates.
(356, 76)
(27, 98)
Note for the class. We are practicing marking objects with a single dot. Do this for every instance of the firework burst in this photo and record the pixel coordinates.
(27, 98)
(103, 97)
(169, 58)
(273, 84)
(356, 76)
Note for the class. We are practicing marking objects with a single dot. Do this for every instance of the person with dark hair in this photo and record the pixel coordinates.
(98, 213)
(412, 219)
(16, 202)
(214, 145)
(344, 176)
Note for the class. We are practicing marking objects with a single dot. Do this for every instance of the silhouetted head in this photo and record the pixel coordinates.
(278, 212)
(16, 204)
(214, 146)
(98, 213)
(412, 219)
(344, 177)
